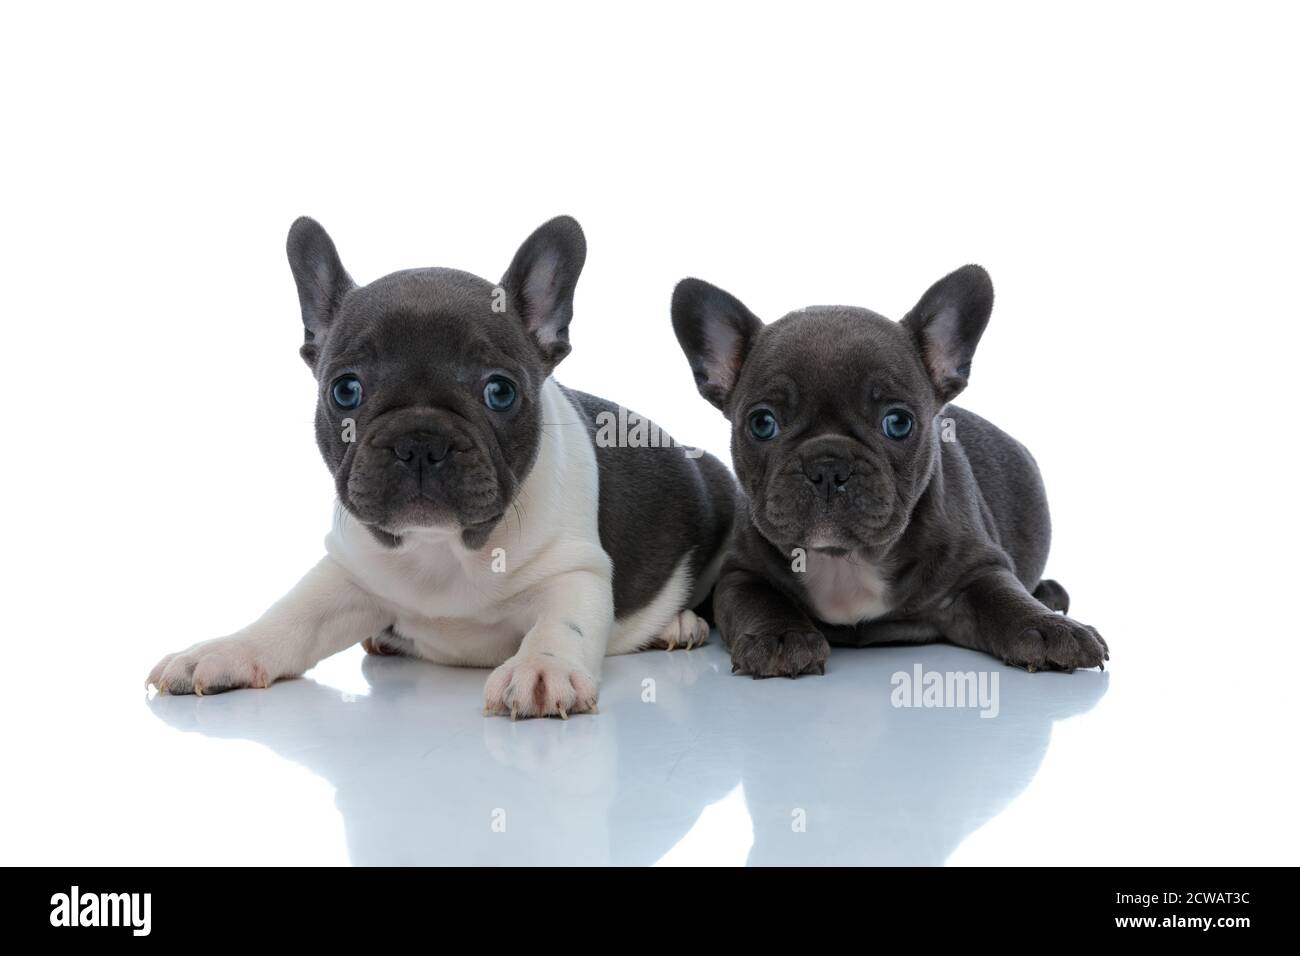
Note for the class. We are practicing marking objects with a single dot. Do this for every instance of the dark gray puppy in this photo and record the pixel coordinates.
(875, 512)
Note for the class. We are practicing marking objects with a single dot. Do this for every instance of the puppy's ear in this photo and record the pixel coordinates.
(540, 283)
(947, 324)
(716, 331)
(322, 281)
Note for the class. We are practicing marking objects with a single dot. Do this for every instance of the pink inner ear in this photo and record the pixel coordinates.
(939, 338)
(938, 362)
(723, 344)
(539, 298)
(324, 275)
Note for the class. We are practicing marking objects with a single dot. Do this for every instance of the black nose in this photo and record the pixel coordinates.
(421, 448)
(828, 474)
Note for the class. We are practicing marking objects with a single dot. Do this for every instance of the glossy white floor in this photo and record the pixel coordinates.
(1121, 170)
(386, 761)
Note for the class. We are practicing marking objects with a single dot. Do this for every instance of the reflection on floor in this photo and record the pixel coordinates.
(685, 763)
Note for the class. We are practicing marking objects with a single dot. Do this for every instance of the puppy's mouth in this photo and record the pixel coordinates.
(472, 536)
(836, 535)
(429, 512)
(429, 521)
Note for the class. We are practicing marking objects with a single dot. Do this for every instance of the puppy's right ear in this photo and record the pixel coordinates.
(322, 281)
(716, 331)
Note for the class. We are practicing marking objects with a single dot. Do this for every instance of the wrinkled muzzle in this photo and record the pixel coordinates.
(422, 468)
(829, 493)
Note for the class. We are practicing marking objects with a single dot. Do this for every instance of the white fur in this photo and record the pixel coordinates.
(845, 590)
(545, 622)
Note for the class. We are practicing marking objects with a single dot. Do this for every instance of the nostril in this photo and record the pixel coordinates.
(437, 450)
(828, 473)
(404, 449)
(424, 449)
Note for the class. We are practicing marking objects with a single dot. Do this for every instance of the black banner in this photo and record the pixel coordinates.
(333, 905)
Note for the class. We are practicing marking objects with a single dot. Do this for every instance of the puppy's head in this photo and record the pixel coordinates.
(429, 380)
(834, 410)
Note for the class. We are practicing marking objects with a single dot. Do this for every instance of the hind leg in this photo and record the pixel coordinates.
(1051, 593)
(388, 644)
(686, 629)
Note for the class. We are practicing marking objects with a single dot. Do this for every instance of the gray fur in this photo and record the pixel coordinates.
(959, 530)
(656, 505)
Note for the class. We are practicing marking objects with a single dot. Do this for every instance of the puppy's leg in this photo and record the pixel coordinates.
(388, 644)
(995, 614)
(1053, 595)
(767, 634)
(686, 629)
(557, 667)
(323, 614)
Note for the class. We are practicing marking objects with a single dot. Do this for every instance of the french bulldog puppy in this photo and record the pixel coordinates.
(482, 521)
(873, 510)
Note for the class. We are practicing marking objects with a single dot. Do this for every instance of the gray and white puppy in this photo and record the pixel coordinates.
(482, 521)
(874, 511)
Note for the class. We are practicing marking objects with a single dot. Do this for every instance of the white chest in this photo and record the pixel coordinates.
(433, 578)
(473, 607)
(845, 590)
(457, 606)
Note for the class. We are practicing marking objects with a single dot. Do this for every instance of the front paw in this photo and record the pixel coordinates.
(539, 685)
(210, 668)
(780, 653)
(1050, 641)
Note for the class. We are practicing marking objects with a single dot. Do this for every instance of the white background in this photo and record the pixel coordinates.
(1127, 173)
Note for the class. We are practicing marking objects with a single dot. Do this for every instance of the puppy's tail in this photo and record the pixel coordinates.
(1053, 595)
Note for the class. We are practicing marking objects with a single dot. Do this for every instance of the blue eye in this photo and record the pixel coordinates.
(762, 425)
(499, 393)
(347, 392)
(897, 424)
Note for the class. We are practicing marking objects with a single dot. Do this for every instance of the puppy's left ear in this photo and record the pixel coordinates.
(947, 324)
(541, 281)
